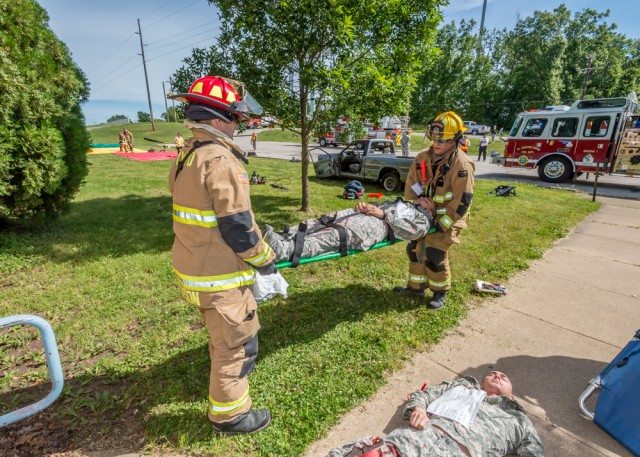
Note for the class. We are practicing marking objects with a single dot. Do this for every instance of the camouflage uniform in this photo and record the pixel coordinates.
(362, 231)
(501, 427)
(449, 182)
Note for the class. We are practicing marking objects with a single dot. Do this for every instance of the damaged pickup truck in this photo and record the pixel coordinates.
(366, 160)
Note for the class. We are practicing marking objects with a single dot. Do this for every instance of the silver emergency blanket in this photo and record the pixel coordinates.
(362, 231)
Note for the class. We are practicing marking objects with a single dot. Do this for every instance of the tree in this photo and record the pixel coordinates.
(457, 77)
(310, 61)
(173, 115)
(43, 141)
(117, 117)
(144, 117)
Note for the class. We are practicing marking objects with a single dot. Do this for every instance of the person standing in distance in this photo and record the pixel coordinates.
(179, 142)
(441, 179)
(218, 245)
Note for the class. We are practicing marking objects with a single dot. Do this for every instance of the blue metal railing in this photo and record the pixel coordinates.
(53, 364)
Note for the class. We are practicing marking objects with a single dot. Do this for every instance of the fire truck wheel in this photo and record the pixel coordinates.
(323, 142)
(555, 169)
(390, 182)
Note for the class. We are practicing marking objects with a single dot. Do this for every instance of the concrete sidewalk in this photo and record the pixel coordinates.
(560, 324)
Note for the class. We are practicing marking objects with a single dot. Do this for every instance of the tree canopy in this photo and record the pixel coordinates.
(311, 61)
(541, 61)
(43, 141)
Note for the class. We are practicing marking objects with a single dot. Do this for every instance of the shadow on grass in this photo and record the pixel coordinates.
(111, 227)
(166, 400)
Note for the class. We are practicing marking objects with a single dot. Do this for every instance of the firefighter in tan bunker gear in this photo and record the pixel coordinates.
(218, 245)
(442, 178)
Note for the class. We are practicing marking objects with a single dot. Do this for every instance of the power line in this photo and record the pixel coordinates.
(108, 54)
(178, 41)
(174, 35)
(172, 14)
(184, 47)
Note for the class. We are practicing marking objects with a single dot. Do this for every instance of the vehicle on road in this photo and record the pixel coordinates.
(254, 124)
(367, 160)
(592, 135)
(475, 129)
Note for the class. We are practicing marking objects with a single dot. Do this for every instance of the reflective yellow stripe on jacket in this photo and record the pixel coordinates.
(216, 283)
(192, 216)
(261, 258)
(217, 408)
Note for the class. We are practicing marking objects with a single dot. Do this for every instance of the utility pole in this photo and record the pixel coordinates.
(484, 10)
(146, 78)
(166, 108)
(587, 70)
(173, 102)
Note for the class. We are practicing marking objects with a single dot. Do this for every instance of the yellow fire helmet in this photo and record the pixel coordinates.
(446, 126)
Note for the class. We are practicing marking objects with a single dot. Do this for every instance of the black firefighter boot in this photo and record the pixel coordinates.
(252, 421)
(408, 291)
(439, 297)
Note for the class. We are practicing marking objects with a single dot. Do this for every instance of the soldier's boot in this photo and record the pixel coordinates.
(409, 291)
(438, 300)
(250, 422)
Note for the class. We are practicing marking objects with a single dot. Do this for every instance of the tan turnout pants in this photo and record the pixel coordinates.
(231, 318)
(429, 260)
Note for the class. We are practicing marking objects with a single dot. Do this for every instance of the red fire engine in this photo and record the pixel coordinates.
(562, 142)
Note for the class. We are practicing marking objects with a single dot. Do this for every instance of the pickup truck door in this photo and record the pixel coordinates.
(325, 165)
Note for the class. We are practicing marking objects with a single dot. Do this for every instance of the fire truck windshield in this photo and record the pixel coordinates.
(516, 126)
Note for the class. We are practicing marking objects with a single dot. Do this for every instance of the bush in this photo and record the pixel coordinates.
(43, 140)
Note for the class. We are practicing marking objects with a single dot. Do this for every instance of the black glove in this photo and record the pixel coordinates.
(267, 269)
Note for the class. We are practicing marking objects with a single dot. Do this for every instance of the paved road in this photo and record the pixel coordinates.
(608, 186)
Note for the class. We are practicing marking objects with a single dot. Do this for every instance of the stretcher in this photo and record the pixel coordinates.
(335, 255)
(617, 409)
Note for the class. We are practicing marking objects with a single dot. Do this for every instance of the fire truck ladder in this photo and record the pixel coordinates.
(53, 364)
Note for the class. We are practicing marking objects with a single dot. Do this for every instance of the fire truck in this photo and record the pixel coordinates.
(562, 142)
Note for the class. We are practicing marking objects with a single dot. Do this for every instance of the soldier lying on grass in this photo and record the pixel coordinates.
(457, 419)
(350, 229)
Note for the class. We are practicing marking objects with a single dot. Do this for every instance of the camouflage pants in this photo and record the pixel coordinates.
(429, 260)
(429, 441)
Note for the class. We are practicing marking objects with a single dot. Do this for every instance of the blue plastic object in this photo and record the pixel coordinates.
(617, 410)
(53, 364)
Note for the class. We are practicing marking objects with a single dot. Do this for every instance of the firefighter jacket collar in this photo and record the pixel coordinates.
(207, 132)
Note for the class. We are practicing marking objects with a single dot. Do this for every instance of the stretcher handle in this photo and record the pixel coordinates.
(593, 385)
(53, 364)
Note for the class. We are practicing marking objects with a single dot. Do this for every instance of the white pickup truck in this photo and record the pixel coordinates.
(475, 129)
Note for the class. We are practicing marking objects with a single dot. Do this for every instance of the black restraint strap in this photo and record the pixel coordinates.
(196, 144)
(298, 244)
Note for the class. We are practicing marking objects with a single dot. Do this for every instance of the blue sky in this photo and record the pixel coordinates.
(102, 38)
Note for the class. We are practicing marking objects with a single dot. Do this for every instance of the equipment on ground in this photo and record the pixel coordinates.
(353, 190)
(618, 387)
(503, 191)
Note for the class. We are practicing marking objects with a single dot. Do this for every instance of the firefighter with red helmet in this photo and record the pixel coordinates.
(441, 179)
(218, 245)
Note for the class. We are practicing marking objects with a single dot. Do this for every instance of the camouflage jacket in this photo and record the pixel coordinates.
(501, 426)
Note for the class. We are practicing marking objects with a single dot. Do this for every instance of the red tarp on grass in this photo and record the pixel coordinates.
(148, 156)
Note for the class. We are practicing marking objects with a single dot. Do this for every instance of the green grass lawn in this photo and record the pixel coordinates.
(135, 355)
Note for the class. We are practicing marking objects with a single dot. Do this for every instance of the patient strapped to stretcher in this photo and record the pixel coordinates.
(349, 229)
